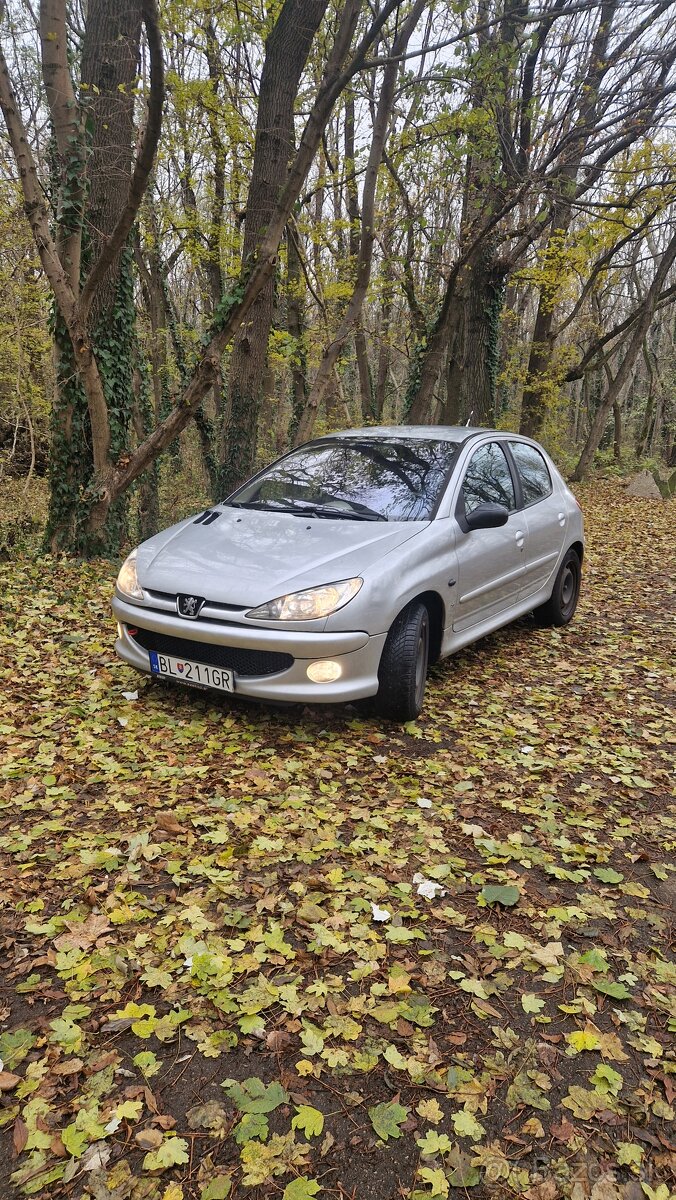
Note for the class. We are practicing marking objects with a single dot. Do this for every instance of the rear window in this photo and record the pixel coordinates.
(394, 479)
(536, 482)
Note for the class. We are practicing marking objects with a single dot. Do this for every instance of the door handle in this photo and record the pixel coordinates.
(561, 518)
(519, 538)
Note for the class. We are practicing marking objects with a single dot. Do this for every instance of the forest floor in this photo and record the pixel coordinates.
(201, 995)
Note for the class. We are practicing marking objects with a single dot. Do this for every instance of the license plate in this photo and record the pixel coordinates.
(197, 674)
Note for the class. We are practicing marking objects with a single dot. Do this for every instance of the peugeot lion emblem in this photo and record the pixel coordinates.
(189, 606)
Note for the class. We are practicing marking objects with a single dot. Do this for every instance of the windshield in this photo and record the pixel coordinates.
(383, 479)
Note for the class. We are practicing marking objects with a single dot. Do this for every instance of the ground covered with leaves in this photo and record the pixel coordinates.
(255, 953)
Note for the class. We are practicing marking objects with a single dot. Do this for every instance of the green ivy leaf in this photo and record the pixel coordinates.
(14, 1046)
(505, 894)
(217, 1189)
(531, 1003)
(605, 1079)
(301, 1189)
(172, 1153)
(617, 990)
(466, 1125)
(434, 1143)
(386, 1119)
(147, 1063)
(74, 1140)
(309, 1120)
(252, 1095)
(252, 1125)
(608, 875)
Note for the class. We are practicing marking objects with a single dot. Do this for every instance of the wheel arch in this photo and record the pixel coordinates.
(435, 607)
(578, 547)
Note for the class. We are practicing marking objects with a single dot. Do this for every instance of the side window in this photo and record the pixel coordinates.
(488, 479)
(533, 471)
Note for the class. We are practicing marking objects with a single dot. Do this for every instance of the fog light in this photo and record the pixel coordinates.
(324, 671)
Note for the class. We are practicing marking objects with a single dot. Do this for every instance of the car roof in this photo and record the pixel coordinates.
(446, 433)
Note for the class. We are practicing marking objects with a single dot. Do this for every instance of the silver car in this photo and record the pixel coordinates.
(350, 564)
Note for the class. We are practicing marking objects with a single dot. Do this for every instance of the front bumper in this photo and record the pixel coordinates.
(357, 653)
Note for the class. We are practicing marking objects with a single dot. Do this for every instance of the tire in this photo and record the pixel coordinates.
(403, 665)
(560, 607)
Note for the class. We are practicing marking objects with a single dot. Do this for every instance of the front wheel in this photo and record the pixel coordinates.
(403, 667)
(560, 607)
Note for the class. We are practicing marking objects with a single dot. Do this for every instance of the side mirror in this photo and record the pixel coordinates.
(487, 516)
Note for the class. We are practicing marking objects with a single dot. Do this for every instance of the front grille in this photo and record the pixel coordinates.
(233, 658)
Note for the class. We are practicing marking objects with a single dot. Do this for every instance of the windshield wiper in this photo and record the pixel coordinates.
(361, 510)
(264, 505)
(305, 508)
(326, 510)
(317, 509)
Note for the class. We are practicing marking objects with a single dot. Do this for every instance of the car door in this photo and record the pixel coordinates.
(490, 561)
(544, 516)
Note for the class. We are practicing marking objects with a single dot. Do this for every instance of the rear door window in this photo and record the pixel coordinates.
(536, 482)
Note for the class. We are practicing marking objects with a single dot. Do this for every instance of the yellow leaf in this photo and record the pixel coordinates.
(586, 1039)
(173, 1191)
(304, 1067)
(533, 1128)
(430, 1110)
(399, 981)
(436, 1179)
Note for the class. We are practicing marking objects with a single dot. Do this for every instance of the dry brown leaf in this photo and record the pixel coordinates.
(8, 1081)
(167, 821)
(277, 1040)
(70, 1067)
(149, 1139)
(19, 1135)
(82, 934)
(547, 1190)
(562, 1132)
(111, 1056)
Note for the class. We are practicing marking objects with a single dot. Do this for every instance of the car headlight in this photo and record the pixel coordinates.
(309, 605)
(127, 580)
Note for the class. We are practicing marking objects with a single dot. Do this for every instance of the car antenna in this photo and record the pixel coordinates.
(469, 419)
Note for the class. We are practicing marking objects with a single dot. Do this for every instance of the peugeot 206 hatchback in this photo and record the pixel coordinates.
(346, 567)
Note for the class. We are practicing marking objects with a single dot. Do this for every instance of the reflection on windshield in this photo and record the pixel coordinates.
(395, 479)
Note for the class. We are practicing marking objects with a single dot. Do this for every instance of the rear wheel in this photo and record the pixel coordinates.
(403, 667)
(562, 603)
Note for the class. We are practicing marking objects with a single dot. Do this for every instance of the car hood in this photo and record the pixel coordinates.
(247, 557)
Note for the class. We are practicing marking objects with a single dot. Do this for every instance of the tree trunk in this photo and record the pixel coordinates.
(142, 421)
(384, 347)
(286, 52)
(474, 345)
(428, 358)
(617, 432)
(360, 348)
(109, 69)
(295, 325)
(647, 418)
(538, 378)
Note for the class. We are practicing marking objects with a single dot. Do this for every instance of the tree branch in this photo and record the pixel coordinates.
(254, 276)
(582, 367)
